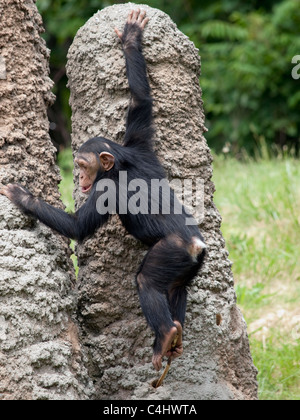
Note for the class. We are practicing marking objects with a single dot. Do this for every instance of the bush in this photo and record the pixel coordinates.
(250, 95)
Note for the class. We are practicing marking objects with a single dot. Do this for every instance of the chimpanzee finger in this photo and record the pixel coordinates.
(5, 191)
(144, 23)
(130, 15)
(119, 33)
(135, 15)
(141, 16)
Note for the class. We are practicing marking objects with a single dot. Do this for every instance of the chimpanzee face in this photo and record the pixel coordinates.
(89, 165)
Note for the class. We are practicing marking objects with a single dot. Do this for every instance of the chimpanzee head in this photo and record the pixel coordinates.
(94, 157)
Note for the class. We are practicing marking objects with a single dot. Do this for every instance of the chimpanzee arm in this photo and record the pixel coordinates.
(139, 130)
(79, 226)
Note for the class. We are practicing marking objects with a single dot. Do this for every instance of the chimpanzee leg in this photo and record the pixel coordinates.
(166, 270)
(178, 290)
(178, 300)
(156, 309)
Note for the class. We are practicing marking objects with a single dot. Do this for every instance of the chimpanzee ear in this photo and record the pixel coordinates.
(107, 160)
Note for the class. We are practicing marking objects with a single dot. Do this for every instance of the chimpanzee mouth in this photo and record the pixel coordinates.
(86, 189)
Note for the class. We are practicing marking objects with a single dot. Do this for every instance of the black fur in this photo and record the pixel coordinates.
(168, 268)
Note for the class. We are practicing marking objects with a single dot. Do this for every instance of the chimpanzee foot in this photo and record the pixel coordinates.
(176, 349)
(171, 346)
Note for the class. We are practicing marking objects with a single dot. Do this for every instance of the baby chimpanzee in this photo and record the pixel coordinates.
(176, 249)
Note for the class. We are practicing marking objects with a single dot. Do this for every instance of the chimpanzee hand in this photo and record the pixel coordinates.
(136, 22)
(18, 195)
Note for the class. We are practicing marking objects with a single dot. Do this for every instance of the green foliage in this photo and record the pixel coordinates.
(249, 93)
(63, 18)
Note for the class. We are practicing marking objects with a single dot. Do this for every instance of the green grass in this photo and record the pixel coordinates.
(259, 202)
(66, 187)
